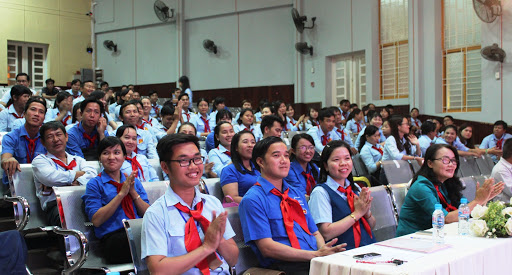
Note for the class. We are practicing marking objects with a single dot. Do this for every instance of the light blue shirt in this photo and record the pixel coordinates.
(7, 119)
(352, 126)
(491, 141)
(148, 170)
(358, 139)
(153, 113)
(163, 227)
(370, 156)
(457, 144)
(291, 124)
(316, 133)
(346, 135)
(320, 202)
(51, 114)
(190, 118)
(425, 142)
(200, 124)
(219, 158)
(391, 150)
(256, 131)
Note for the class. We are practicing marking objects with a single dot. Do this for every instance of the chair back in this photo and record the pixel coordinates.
(359, 166)
(397, 171)
(469, 185)
(155, 189)
(398, 193)
(484, 165)
(156, 165)
(384, 213)
(246, 257)
(133, 231)
(468, 167)
(214, 188)
(23, 185)
(415, 165)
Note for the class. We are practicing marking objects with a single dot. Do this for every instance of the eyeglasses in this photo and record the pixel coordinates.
(305, 148)
(447, 160)
(187, 162)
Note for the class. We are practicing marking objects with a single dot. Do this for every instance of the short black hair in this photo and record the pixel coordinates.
(49, 80)
(325, 113)
(201, 100)
(167, 110)
(187, 124)
(75, 111)
(152, 92)
(343, 101)
(268, 122)
(103, 84)
(84, 103)
(37, 99)
(86, 81)
(19, 90)
(23, 74)
(75, 81)
(223, 113)
(428, 127)
(502, 123)
(98, 94)
(261, 148)
(218, 100)
(507, 149)
(126, 104)
(183, 95)
(62, 95)
(51, 125)
(120, 130)
(109, 142)
(166, 145)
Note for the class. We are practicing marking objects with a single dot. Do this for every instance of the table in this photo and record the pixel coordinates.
(467, 255)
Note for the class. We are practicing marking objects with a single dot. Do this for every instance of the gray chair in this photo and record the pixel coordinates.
(384, 213)
(398, 193)
(415, 165)
(246, 257)
(22, 184)
(397, 171)
(468, 167)
(214, 188)
(469, 185)
(156, 165)
(133, 231)
(155, 189)
(359, 166)
(484, 165)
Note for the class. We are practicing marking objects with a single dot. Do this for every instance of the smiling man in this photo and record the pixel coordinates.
(185, 231)
(57, 168)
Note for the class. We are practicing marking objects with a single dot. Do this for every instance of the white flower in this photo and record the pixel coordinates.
(508, 226)
(507, 210)
(510, 200)
(478, 228)
(479, 211)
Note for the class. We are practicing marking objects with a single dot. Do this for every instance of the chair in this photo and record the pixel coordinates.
(359, 166)
(22, 184)
(133, 231)
(384, 213)
(469, 190)
(397, 171)
(155, 189)
(156, 165)
(415, 165)
(213, 187)
(468, 167)
(398, 193)
(484, 165)
(246, 257)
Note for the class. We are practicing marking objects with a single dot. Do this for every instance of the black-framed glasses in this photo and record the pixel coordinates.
(187, 162)
(447, 160)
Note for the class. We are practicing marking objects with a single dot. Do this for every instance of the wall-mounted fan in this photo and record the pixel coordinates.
(162, 11)
(303, 48)
(210, 46)
(110, 45)
(487, 10)
(300, 21)
(493, 53)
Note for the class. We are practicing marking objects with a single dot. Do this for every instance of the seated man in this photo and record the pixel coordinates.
(22, 145)
(271, 126)
(183, 214)
(324, 132)
(19, 97)
(343, 132)
(57, 168)
(21, 79)
(502, 171)
(87, 88)
(496, 139)
(155, 107)
(275, 217)
(75, 88)
(50, 91)
(85, 136)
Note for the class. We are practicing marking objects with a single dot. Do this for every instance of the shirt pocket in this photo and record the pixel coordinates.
(276, 222)
(141, 145)
(176, 240)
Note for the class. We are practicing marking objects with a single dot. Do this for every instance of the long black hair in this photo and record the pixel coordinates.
(326, 154)
(295, 140)
(369, 131)
(186, 83)
(235, 155)
(453, 185)
(468, 142)
(353, 114)
(242, 113)
(394, 122)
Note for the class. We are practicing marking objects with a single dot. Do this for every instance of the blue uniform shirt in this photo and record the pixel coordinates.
(245, 180)
(98, 193)
(76, 140)
(210, 142)
(295, 177)
(261, 217)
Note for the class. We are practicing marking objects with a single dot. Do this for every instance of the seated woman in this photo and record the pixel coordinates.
(280, 108)
(385, 113)
(375, 120)
(246, 122)
(401, 144)
(415, 121)
(76, 117)
(340, 208)
(240, 175)
(355, 121)
(311, 120)
(220, 155)
(111, 197)
(436, 182)
(450, 137)
(202, 121)
(303, 174)
(62, 110)
(291, 123)
(370, 150)
(465, 137)
(146, 112)
(135, 162)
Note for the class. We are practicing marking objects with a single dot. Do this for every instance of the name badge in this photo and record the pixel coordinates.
(301, 204)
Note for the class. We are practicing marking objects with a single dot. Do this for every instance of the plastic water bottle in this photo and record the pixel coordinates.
(438, 225)
(463, 217)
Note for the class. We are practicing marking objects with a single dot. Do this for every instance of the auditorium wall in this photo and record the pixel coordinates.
(62, 24)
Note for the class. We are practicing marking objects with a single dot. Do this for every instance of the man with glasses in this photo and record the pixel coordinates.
(21, 79)
(171, 238)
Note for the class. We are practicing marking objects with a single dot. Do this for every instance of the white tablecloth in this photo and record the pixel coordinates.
(467, 255)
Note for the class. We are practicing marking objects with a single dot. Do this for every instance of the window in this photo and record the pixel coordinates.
(462, 89)
(28, 58)
(394, 49)
(349, 78)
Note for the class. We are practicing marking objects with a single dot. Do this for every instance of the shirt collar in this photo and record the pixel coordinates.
(371, 145)
(506, 163)
(106, 178)
(334, 185)
(69, 157)
(430, 140)
(295, 165)
(23, 132)
(172, 198)
(267, 186)
(222, 149)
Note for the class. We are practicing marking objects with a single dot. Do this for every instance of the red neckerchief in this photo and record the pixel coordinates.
(92, 140)
(206, 124)
(446, 205)
(310, 182)
(378, 149)
(126, 203)
(136, 165)
(17, 116)
(225, 152)
(68, 167)
(31, 148)
(356, 227)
